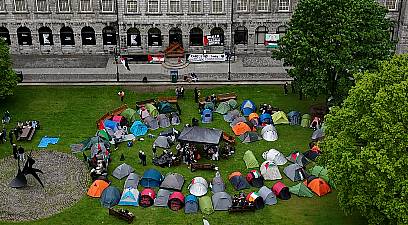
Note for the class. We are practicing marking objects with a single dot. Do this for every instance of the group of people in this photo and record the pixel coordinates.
(179, 92)
(18, 153)
(239, 201)
(212, 152)
(191, 77)
(187, 153)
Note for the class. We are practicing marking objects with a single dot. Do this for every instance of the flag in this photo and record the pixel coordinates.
(125, 63)
(205, 222)
(205, 40)
(149, 59)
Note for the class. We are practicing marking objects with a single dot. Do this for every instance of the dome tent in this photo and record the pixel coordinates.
(298, 158)
(138, 128)
(162, 198)
(191, 204)
(254, 119)
(294, 118)
(237, 120)
(256, 199)
(206, 206)
(301, 190)
(238, 181)
(317, 185)
(295, 172)
(206, 116)
(96, 188)
(176, 201)
(280, 118)
(231, 115)
(305, 120)
(248, 107)
(250, 160)
(173, 181)
(223, 108)
(322, 172)
(265, 119)
(270, 171)
(217, 184)
(110, 197)
(175, 119)
(122, 171)
(198, 186)
(147, 197)
(151, 122)
(162, 142)
(269, 133)
(151, 178)
(281, 191)
(249, 137)
(242, 127)
(143, 112)
(232, 103)
(152, 110)
(221, 201)
(132, 181)
(130, 197)
(255, 178)
(163, 120)
(129, 114)
(268, 196)
(275, 156)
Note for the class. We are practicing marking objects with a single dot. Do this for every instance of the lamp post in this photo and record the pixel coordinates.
(231, 41)
(117, 52)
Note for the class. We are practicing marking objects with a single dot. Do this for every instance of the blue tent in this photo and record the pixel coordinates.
(248, 107)
(151, 178)
(130, 197)
(265, 119)
(191, 204)
(294, 118)
(111, 124)
(138, 128)
(206, 116)
(110, 197)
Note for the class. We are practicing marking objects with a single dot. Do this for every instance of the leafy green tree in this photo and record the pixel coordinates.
(329, 40)
(8, 77)
(366, 145)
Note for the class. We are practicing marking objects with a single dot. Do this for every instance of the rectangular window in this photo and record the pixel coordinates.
(64, 5)
(20, 5)
(217, 6)
(2, 6)
(153, 6)
(42, 6)
(242, 5)
(391, 4)
(131, 6)
(263, 5)
(195, 6)
(174, 6)
(85, 6)
(107, 5)
(283, 5)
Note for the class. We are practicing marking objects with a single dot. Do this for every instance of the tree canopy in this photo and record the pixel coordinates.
(8, 77)
(366, 141)
(329, 40)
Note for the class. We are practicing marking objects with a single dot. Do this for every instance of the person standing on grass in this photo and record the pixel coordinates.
(196, 95)
(154, 150)
(144, 159)
(15, 151)
(20, 153)
(121, 95)
(11, 136)
(140, 157)
(285, 88)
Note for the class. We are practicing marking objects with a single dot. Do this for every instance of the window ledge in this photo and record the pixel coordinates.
(43, 12)
(25, 12)
(132, 14)
(284, 11)
(86, 12)
(216, 14)
(106, 12)
(153, 14)
(175, 14)
(197, 14)
(65, 13)
(3, 12)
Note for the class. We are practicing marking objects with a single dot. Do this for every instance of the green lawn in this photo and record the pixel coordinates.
(70, 113)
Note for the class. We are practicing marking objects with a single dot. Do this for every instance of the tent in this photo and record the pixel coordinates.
(254, 119)
(200, 135)
(152, 110)
(129, 114)
(111, 124)
(298, 158)
(217, 184)
(162, 142)
(175, 119)
(162, 198)
(269, 133)
(238, 181)
(198, 186)
(237, 120)
(209, 105)
(242, 127)
(305, 120)
(301, 190)
(132, 181)
(249, 137)
(275, 156)
(318, 135)
(270, 171)
(165, 107)
(255, 178)
(96, 188)
(229, 117)
(122, 171)
(144, 113)
(206, 206)
(151, 178)
(138, 128)
(317, 185)
(265, 119)
(98, 148)
(250, 160)
(294, 117)
(248, 107)
(130, 197)
(256, 199)
(151, 122)
(163, 120)
(191, 204)
(322, 172)
(88, 143)
(147, 197)
(221, 201)
(176, 201)
(295, 172)
(281, 191)
(121, 120)
(233, 103)
(268, 196)
(206, 116)
(280, 118)
(223, 108)
(104, 135)
(173, 181)
(110, 197)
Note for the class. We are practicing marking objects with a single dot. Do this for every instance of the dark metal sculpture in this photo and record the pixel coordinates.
(20, 180)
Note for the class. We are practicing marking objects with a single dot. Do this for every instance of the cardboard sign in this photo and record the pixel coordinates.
(207, 58)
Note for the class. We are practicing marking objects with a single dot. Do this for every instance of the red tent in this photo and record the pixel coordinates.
(176, 201)
(147, 197)
(280, 190)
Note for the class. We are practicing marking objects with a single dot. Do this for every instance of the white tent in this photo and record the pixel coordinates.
(275, 156)
(198, 186)
(269, 133)
(130, 197)
(270, 171)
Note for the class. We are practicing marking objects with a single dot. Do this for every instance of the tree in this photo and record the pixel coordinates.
(329, 40)
(8, 77)
(365, 148)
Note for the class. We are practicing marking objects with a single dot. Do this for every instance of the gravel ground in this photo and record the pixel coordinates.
(65, 181)
(260, 61)
(60, 61)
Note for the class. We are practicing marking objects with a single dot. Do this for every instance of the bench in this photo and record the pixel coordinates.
(144, 102)
(226, 97)
(27, 134)
(171, 99)
(203, 166)
(121, 215)
(119, 110)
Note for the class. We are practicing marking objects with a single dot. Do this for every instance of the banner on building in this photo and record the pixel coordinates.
(207, 58)
(133, 39)
(46, 38)
(271, 40)
(210, 40)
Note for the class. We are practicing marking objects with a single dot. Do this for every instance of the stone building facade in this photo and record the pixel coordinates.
(148, 26)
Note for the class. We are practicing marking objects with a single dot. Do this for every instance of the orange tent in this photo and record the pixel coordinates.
(97, 188)
(253, 116)
(234, 174)
(318, 186)
(240, 128)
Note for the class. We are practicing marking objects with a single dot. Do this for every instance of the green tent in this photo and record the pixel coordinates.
(223, 108)
(305, 120)
(206, 206)
(91, 141)
(250, 160)
(165, 107)
(152, 110)
(104, 135)
(280, 118)
(130, 115)
(232, 103)
(301, 190)
(209, 105)
(322, 172)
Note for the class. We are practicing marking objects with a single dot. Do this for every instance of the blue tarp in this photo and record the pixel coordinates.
(138, 128)
(248, 107)
(111, 124)
(47, 140)
(151, 178)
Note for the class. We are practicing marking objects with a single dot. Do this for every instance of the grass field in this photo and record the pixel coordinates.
(70, 113)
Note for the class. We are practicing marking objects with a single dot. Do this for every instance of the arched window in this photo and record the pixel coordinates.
(45, 35)
(24, 36)
(133, 37)
(67, 36)
(88, 36)
(218, 32)
(175, 35)
(281, 30)
(196, 37)
(241, 35)
(5, 35)
(154, 37)
(108, 36)
(260, 34)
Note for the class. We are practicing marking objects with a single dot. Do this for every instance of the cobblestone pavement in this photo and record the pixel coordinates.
(65, 181)
(61, 61)
(266, 61)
